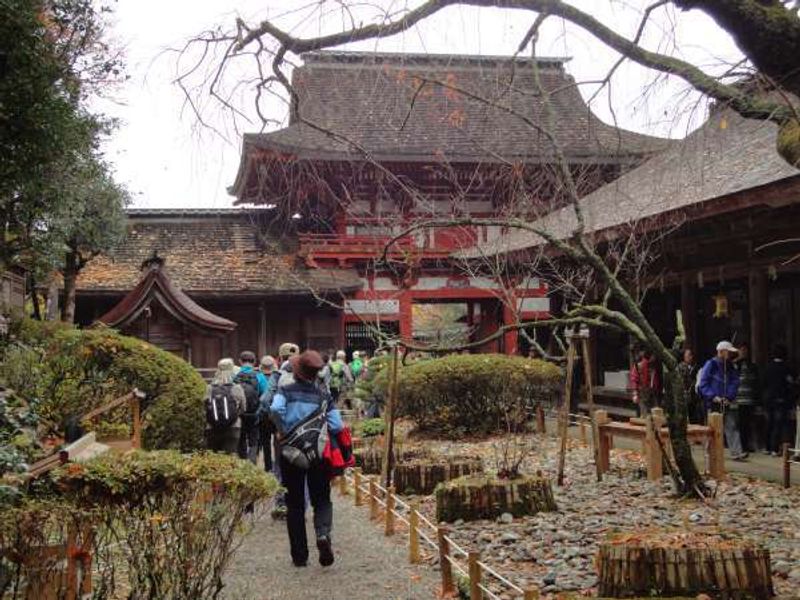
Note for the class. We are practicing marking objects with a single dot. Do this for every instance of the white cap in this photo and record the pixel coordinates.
(726, 345)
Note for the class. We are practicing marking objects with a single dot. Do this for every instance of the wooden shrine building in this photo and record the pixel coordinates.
(382, 142)
(219, 285)
(721, 209)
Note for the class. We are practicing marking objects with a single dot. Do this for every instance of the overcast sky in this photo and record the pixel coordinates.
(167, 158)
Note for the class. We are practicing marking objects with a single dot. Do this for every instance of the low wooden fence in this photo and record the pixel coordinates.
(452, 557)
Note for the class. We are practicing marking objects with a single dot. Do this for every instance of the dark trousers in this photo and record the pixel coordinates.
(319, 490)
(778, 425)
(248, 442)
(747, 430)
(223, 440)
(265, 444)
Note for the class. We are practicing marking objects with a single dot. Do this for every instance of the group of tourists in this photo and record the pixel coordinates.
(285, 409)
(759, 406)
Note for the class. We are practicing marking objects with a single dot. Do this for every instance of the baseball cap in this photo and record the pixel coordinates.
(726, 345)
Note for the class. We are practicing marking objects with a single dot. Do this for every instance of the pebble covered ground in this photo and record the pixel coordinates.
(555, 551)
(368, 565)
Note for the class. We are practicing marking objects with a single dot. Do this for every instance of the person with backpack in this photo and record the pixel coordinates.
(254, 385)
(341, 377)
(719, 385)
(356, 365)
(282, 374)
(225, 403)
(297, 404)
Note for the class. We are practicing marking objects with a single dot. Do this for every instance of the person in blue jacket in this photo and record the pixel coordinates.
(294, 401)
(718, 386)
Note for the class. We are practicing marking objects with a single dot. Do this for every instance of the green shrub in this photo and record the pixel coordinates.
(475, 393)
(71, 371)
(164, 524)
(371, 427)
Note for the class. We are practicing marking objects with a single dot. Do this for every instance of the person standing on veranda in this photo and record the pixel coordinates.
(718, 385)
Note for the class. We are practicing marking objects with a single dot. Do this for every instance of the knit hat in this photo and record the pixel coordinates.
(305, 366)
(288, 349)
(226, 364)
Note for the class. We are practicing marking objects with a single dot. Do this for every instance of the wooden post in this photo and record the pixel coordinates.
(388, 523)
(444, 562)
(563, 421)
(474, 575)
(343, 485)
(582, 427)
(136, 410)
(787, 467)
(531, 594)
(413, 533)
(388, 415)
(373, 499)
(716, 449)
(357, 485)
(541, 427)
(653, 455)
(603, 443)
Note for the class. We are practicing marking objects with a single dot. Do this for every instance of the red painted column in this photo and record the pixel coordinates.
(406, 318)
(510, 337)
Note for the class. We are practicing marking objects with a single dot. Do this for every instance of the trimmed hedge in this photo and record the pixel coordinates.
(71, 371)
(473, 393)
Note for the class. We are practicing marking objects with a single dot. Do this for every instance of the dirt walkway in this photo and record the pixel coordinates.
(368, 565)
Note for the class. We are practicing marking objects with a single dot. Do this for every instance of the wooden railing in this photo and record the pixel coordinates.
(437, 538)
(134, 400)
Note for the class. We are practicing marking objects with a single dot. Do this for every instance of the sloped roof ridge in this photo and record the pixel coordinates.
(340, 58)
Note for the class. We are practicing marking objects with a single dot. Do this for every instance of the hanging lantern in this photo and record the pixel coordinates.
(772, 273)
(720, 306)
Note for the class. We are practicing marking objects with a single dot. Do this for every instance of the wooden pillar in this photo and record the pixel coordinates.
(654, 458)
(689, 310)
(262, 330)
(388, 523)
(413, 533)
(759, 308)
(603, 441)
(473, 560)
(787, 466)
(373, 498)
(716, 450)
(446, 569)
(357, 486)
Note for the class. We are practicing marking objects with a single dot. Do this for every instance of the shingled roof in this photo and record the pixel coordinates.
(209, 252)
(155, 285)
(420, 107)
(727, 155)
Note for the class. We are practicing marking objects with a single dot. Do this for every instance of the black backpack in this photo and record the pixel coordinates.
(222, 411)
(249, 383)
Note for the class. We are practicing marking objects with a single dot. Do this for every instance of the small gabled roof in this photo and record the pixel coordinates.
(155, 285)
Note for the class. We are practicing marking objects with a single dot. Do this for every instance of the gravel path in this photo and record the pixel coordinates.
(368, 566)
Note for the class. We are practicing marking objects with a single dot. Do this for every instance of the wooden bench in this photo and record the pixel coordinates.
(644, 430)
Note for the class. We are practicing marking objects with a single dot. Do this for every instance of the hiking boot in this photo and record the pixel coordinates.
(300, 563)
(325, 551)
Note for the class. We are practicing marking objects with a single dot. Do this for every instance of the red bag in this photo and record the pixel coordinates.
(338, 453)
